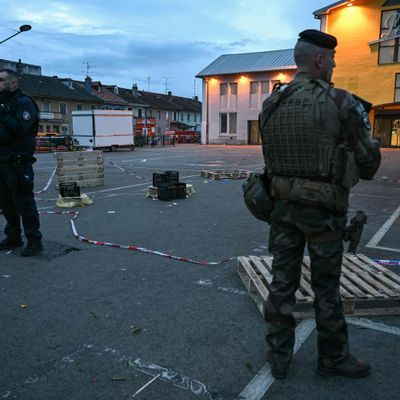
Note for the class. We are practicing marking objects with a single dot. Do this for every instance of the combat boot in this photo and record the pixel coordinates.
(33, 248)
(278, 367)
(9, 244)
(349, 367)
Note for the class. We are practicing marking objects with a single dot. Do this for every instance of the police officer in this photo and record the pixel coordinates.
(18, 129)
(316, 146)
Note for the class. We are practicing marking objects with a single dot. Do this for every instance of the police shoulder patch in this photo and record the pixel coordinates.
(26, 115)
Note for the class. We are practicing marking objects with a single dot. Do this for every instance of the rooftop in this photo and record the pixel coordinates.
(263, 61)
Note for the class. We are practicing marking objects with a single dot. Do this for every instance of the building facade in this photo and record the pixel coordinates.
(368, 58)
(234, 88)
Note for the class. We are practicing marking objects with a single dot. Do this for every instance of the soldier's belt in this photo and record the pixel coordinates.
(311, 193)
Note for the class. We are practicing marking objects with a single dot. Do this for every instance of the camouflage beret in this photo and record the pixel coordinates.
(318, 38)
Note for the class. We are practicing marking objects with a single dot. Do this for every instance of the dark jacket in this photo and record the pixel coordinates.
(19, 121)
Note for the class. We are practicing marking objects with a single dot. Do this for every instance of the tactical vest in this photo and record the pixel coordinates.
(301, 135)
(303, 142)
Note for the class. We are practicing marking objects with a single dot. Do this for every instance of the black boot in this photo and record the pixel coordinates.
(9, 244)
(33, 248)
(278, 367)
(349, 367)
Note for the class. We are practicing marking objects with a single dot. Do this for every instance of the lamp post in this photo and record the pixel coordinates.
(22, 28)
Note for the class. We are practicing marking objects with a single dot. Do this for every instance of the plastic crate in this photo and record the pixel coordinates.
(173, 176)
(160, 179)
(69, 189)
(166, 192)
(181, 190)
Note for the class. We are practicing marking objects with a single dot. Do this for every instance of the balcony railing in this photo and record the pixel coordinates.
(50, 116)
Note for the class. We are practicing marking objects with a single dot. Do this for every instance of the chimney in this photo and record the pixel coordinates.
(116, 90)
(169, 93)
(88, 84)
(196, 99)
(19, 66)
(135, 90)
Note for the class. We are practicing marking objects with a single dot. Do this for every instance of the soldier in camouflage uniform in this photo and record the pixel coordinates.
(316, 145)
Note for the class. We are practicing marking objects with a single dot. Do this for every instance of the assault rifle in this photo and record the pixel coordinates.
(353, 232)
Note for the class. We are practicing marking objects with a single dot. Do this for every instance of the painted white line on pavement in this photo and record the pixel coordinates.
(383, 230)
(260, 384)
(131, 186)
(377, 326)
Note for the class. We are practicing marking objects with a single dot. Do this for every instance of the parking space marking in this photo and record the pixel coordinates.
(377, 326)
(373, 243)
(263, 380)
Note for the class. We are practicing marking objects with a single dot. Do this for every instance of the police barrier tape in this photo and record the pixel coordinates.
(48, 182)
(392, 263)
(129, 247)
(125, 170)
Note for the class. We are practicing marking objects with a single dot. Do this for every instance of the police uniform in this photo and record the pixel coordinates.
(18, 129)
(316, 146)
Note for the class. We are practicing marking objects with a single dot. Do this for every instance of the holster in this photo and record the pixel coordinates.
(326, 195)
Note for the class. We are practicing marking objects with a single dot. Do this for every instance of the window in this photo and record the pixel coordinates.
(397, 89)
(390, 27)
(195, 117)
(233, 95)
(46, 105)
(158, 115)
(232, 122)
(188, 117)
(63, 108)
(56, 129)
(92, 107)
(175, 116)
(265, 87)
(253, 87)
(227, 123)
(254, 97)
(181, 117)
(139, 111)
(223, 89)
(79, 107)
(223, 123)
(64, 130)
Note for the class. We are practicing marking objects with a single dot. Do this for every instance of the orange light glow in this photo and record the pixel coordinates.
(213, 81)
(281, 76)
(243, 79)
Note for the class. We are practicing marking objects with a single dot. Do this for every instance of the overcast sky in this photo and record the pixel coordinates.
(127, 41)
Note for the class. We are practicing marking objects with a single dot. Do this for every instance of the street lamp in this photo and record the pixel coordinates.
(22, 28)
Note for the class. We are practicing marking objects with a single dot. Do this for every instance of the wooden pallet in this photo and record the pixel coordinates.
(366, 287)
(86, 168)
(219, 174)
(152, 191)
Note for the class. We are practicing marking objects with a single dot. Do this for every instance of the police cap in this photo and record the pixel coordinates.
(318, 38)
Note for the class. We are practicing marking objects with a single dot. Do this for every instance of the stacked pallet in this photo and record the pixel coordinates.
(86, 168)
(366, 287)
(152, 191)
(219, 174)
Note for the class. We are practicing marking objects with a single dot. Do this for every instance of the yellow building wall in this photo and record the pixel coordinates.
(357, 68)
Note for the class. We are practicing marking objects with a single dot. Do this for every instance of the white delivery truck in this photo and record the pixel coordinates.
(103, 129)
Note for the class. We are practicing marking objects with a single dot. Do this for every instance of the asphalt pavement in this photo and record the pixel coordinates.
(84, 321)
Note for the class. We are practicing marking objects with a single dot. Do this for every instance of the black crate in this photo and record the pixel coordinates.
(69, 189)
(173, 176)
(181, 190)
(160, 179)
(166, 192)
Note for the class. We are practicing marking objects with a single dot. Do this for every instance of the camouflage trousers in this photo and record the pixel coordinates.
(288, 238)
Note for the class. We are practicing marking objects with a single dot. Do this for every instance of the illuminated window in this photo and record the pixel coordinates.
(389, 49)
(397, 89)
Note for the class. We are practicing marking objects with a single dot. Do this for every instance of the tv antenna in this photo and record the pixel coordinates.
(88, 67)
(166, 83)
